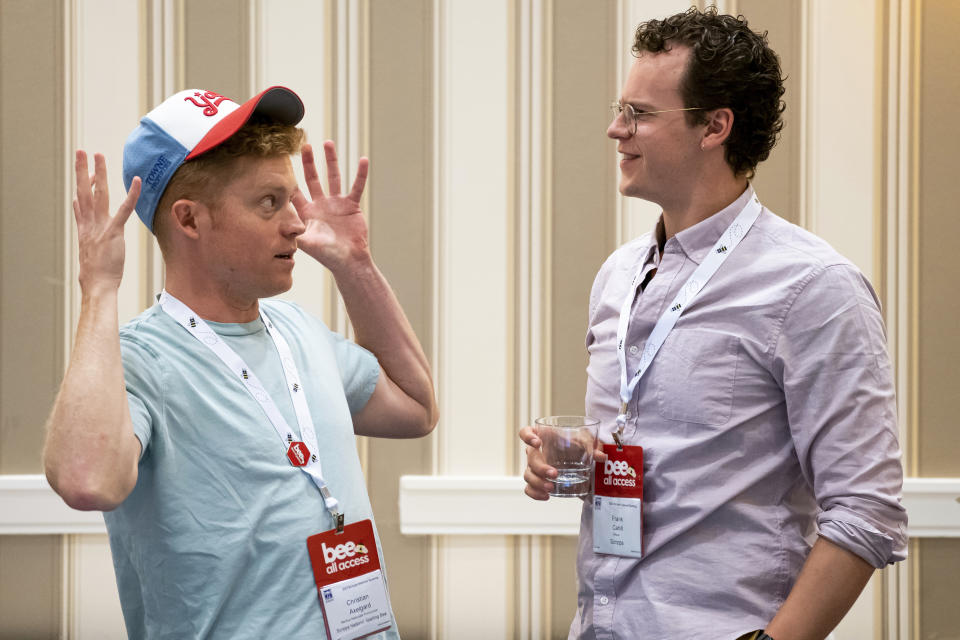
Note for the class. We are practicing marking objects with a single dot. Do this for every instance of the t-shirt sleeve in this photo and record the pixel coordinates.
(143, 380)
(359, 371)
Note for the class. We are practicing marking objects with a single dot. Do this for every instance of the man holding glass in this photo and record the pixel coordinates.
(741, 361)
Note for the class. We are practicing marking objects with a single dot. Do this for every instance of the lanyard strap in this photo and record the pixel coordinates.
(200, 330)
(728, 241)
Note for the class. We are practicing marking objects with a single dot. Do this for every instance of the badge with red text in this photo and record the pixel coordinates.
(299, 454)
(353, 594)
(618, 502)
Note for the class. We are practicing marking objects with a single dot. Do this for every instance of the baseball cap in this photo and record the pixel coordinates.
(187, 124)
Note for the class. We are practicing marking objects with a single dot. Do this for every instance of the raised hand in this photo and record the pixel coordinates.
(336, 232)
(100, 236)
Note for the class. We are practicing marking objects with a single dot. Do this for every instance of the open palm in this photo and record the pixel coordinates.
(336, 231)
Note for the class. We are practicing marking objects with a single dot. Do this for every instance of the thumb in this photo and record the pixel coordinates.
(128, 204)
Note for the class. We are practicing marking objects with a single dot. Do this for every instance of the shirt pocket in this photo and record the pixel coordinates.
(695, 374)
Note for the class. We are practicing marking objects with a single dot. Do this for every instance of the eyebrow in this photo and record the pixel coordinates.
(639, 104)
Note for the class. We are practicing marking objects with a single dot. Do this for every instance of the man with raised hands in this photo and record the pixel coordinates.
(739, 370)
(216, 430)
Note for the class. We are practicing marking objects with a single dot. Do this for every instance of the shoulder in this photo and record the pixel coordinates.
(796, 243)
(788, 256)
(141, 336)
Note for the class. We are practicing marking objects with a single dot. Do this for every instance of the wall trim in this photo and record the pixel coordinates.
(480, 505)
(450, 505)
(28, 506)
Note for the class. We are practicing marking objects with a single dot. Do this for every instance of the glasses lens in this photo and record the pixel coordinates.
(631, 118)
(626, 112)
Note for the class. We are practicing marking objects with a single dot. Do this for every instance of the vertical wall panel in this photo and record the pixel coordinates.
(105, 116)
(939, 572)
(400, 193)
(32, 204)
(582, 220)
(939, 229)
(217, 47)
(474, 298)
(292, 51)
(584, 183)
(778, 178)
(30, 600)
(843, 148)
(939, 350)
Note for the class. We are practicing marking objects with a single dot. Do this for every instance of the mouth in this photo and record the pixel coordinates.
(284, 256)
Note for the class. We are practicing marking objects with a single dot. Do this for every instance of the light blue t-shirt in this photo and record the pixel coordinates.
(211, 543)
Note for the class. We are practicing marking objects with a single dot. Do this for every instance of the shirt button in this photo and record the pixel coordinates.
(604, 599)
(634, 350)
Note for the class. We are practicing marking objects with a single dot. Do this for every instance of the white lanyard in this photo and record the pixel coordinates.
(688, 292)
(202, 332)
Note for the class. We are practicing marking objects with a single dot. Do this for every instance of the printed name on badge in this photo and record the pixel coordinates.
(618, 502)
(353, 594)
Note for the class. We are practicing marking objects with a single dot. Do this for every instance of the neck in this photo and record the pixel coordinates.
(699, 203)
(210, 300)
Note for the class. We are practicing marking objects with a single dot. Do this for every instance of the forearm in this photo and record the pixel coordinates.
(828, 585)
(381, 327)
(90, 455)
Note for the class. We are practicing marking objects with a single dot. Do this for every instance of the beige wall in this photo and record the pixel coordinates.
(32, 159)
(492, 202)
(938, 225)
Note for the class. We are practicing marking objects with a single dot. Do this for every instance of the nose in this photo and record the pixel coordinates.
(618, 127)
(292, 225)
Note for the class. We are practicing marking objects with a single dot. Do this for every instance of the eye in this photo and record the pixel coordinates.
(268, 201)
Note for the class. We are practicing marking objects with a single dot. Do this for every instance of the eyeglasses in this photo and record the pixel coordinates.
(634, 115)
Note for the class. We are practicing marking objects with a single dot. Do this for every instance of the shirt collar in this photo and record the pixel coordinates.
(696, 241)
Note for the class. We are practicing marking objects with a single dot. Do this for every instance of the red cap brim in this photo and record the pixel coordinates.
(277, 103)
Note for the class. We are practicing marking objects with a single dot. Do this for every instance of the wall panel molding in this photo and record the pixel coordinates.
(532, 105)
(451, 505)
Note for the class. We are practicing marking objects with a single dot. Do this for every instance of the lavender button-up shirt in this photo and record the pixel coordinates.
(767, 418)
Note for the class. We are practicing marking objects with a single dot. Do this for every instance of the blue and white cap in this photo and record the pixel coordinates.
(186, 125)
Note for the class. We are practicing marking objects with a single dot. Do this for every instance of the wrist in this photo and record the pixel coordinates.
(93, 293)
(355, 268)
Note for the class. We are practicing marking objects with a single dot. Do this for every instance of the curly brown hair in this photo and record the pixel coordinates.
(204, 177)
(730, 66)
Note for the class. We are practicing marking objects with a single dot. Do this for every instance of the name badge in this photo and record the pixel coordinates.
(618, 502)
(353, 594)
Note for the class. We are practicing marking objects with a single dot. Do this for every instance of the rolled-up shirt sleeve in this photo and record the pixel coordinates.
(832, 360)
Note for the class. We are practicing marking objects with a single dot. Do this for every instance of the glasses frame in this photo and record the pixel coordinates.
(620, 108)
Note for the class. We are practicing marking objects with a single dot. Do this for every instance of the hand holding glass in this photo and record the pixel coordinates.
(567, 444)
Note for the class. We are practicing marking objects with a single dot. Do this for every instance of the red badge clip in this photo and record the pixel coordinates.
(299, 454)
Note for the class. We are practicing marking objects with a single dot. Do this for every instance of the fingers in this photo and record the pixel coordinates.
(128, 204)
(528, 435)
(537, 487)
(360, 181)
(299, 202)
(333, 167)
(101, 193)
(84, 194)
(599, 455)
(310, 173)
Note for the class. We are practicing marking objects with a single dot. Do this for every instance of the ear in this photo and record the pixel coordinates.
(186, 216)
(717, 129)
